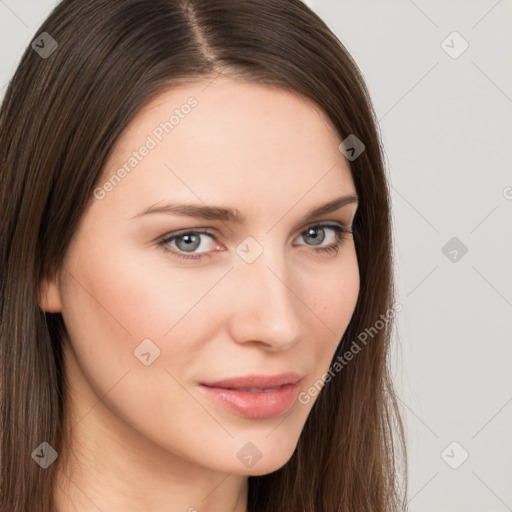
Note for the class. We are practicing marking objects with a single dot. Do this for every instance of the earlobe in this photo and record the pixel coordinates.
(49, 295)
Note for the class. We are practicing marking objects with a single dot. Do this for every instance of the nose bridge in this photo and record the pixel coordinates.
(266, 308)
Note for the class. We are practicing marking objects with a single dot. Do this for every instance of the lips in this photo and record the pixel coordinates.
(255, 396)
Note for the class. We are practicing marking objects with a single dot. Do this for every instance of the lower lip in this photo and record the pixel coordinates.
(255, 405)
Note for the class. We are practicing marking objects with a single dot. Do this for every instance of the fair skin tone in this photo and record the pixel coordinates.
(143, 437)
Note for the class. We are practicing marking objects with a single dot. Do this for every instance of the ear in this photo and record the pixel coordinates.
(49, 295)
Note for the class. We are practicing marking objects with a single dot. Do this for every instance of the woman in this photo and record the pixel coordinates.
(197, 292)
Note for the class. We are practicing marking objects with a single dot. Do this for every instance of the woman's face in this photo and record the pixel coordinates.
(151, 319)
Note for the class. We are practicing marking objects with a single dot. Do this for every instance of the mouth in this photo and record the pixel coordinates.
(255, 396)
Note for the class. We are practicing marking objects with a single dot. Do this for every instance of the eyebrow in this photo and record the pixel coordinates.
(234, 215)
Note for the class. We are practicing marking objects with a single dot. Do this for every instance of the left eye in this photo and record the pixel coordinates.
(189, 241)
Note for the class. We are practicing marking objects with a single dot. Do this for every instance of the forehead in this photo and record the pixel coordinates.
(225, 139)
(224, 105)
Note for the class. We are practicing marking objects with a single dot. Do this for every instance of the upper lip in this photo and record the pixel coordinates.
(256, 381)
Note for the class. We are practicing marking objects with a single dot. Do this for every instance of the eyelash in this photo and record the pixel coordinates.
(340, 232)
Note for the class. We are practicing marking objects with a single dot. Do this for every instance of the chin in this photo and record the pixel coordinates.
(264, 465)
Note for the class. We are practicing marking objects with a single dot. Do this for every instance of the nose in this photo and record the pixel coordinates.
(264, 307)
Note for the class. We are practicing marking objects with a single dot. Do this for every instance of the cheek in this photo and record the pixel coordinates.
(138, 293)
(336, 292)
(333, 303)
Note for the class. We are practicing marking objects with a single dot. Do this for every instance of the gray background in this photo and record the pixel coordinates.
(447, 130)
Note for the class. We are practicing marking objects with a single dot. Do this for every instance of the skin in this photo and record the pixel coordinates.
(145, 437)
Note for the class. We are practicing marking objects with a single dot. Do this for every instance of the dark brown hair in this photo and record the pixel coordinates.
(59, 121)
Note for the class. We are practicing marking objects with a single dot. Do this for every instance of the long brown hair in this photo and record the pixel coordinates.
(62, 114)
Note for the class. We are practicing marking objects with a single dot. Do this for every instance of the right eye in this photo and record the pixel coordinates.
(185, 243)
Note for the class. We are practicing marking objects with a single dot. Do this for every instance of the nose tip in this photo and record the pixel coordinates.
(266, 309)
